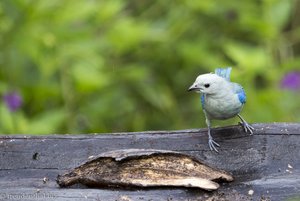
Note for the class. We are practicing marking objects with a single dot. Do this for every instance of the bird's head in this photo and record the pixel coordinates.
(208, 84)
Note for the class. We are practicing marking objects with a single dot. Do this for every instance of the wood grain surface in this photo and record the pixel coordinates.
(265, 165)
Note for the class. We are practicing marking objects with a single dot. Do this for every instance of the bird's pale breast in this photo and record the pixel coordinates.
(225, 107)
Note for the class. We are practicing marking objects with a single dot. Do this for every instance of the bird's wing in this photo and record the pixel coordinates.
(238, 89)
(224, 73)
(202, 100)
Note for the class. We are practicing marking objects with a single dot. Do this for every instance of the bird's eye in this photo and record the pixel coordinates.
(206, 85)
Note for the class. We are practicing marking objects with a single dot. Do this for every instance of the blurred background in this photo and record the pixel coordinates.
(90, 66)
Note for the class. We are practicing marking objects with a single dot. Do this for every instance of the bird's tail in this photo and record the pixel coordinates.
(224, 73)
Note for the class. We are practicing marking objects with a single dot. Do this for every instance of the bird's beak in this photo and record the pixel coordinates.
(193, 88)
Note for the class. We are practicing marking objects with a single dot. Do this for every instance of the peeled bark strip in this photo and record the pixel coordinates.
(144, 168)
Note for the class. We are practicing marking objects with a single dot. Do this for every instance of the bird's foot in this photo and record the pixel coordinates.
(212, 144)
(247, 127)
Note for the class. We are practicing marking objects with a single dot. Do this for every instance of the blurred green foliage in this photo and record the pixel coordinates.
(104, 66)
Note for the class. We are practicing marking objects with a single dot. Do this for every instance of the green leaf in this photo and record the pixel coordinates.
(278, 13)
(47, 122)
(127, 34)
(249, 56)
(89, 78)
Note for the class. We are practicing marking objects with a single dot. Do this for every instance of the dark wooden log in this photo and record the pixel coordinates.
(265, 165)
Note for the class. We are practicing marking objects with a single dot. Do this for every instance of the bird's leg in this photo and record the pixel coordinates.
(247, 127)
(211, 143)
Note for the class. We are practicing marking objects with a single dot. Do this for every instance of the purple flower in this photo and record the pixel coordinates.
(291, 81)
(13, 101)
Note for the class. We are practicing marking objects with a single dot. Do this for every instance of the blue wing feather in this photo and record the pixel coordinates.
(238, 89)
(242, 96)
(202, 100)
(224, 72)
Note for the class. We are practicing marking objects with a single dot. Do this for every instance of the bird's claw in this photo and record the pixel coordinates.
(247, 127)
(212, 145)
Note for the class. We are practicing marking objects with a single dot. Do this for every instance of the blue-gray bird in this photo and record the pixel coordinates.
(220, 99)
